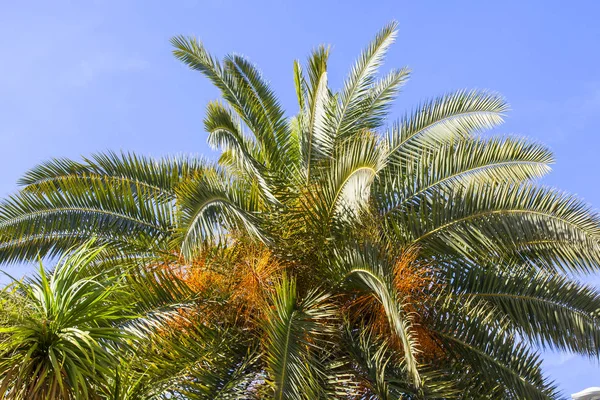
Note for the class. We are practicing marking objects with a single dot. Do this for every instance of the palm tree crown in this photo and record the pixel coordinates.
(57, 332)
(329, 255)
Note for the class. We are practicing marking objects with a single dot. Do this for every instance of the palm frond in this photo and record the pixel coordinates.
(248, 95)
(380, 376)
(497, 219)
(226, 132)
(552, 310)
(158, 294)
(465, 162)
(346, 184)
(294, 329)
(492, 353)
(367, 270)
(457, 114)
(271, 115)
(377, 103)
(211, 204)
(115, 212)
(153, 175)
(359, 82)
(197, 363)
(317, 141)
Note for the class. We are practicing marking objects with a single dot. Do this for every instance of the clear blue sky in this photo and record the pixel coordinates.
(83, 76)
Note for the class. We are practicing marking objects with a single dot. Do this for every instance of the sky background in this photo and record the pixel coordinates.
(85, 76)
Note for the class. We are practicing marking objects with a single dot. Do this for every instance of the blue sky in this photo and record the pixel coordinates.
(79, 77)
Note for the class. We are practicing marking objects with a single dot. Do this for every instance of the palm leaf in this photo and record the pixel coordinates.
(153, 175)
(457, 114)
(293, 330)
(465, 162)
(211, 204)
(497, 219)
(492, 353)
(115, 213)
(550, 309)
(368, 270)
(358, 84)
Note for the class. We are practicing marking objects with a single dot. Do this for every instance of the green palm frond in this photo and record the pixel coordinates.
(300, 86)
(318, 142)
(16, 249)
(246, 92)
(465, 162)
(558, 254)
(381, 378)
(225, 132)
(379, 100)
(157, 295)
(272, 117)
(550, 309)
(67, 213)
(123, 200)
(346, 184)
(493, 354)
(496, 219)
(160, 175)
(367, 270)
(357, 88)
(457, 114)
(192, 53)
(294, 329)
(193, 363)
(209, 205)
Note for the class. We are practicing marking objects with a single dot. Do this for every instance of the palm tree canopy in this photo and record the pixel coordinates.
(57, 331)
(330, 254)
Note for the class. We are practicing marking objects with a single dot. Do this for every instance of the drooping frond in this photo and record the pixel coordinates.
(197, 363)
(160, 175)
(550, 309)
(209, 205)
(158, 294)
(192, 53)
(71, 213)
(367, 270)
(498, 219)
(492, 353)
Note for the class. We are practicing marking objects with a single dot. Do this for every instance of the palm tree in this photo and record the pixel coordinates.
(328, 255)
(57, 330)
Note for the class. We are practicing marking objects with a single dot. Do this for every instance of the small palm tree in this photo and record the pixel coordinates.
(57, 330)
(328, 255)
